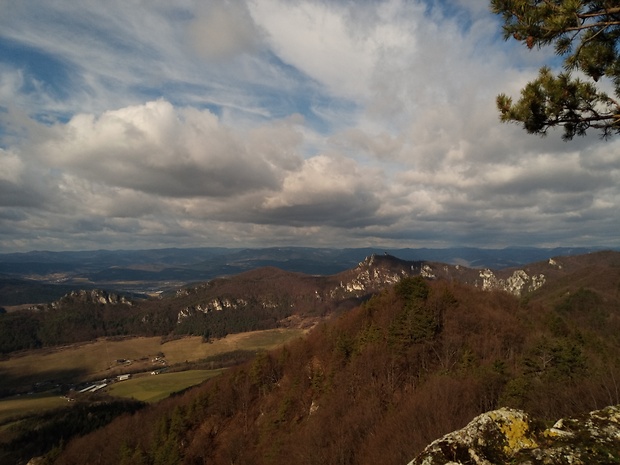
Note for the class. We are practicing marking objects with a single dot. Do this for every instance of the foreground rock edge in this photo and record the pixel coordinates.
(512, 436)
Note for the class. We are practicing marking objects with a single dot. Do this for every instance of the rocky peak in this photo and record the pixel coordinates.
(215, 304)
(375, 272)
(385, 269)
(93, 296)
(383, 262)
(96, 296)
(518, 283)
(511, 436)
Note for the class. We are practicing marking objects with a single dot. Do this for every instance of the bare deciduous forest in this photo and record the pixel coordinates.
(380, 382)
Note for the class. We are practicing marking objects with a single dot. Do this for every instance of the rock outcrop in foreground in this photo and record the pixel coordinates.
(511, 436)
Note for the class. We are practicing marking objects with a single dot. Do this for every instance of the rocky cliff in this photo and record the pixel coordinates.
(377, 271)
(508, 436)
(271, 287)
(92, 296)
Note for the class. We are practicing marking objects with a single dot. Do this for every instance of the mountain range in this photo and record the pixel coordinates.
(262, 298)
(41, 276)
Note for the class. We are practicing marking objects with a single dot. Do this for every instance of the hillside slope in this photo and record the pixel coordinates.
(380, 382)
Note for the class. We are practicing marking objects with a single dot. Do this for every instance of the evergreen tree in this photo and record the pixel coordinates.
(586, 34)
(417, 321)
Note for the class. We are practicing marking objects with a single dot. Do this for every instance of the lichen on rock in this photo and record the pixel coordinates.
(515, 427)
(490, 438)
(509, 436)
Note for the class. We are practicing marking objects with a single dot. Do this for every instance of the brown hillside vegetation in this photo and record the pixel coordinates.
(379, 383)
(267, 298)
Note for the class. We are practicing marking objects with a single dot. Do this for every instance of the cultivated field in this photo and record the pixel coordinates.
(107, 358)
(150, 388)
(19, 406)
(43, 370)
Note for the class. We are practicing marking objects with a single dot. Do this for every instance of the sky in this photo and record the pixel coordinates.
(134, 124)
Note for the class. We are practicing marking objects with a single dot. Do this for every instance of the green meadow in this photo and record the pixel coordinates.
(152, 388)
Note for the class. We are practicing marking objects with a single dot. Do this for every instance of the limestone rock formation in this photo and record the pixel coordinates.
(511, 436)
(92, 296)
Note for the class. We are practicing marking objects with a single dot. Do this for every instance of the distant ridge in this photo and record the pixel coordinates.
(286, 257)
(270, 297)
(144, 271)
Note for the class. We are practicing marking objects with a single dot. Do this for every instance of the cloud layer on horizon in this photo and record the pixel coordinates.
(271, 122)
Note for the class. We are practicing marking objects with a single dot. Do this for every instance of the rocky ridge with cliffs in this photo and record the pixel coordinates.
(287, 294)
(259, 287)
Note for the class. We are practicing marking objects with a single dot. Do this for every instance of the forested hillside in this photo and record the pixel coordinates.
(259, 299)
(379, 383)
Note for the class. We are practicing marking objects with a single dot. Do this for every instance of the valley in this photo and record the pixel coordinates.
(61, 370)
(50, 381)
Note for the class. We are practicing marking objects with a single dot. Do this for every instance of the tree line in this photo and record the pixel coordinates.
(78, 321)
